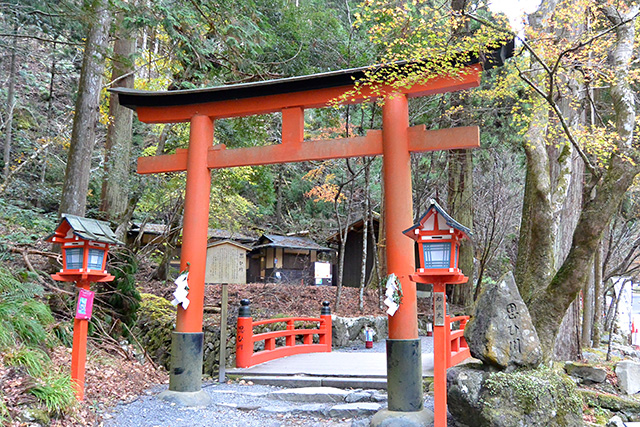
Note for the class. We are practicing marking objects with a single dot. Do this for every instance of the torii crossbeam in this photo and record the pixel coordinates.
(291, 97)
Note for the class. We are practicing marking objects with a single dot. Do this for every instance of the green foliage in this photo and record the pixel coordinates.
(23, 317)
(26, 225)
(121, 293)
(56, 392)
(5, 417)
(24, 332)
(34, 360)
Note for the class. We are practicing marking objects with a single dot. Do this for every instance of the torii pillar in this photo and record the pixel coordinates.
(291, 97)
(404, 355)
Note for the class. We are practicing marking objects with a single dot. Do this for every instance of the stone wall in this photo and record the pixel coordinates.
(156, 321)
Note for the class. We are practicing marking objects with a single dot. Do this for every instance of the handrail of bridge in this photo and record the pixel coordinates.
(457, 347)
(245, 338)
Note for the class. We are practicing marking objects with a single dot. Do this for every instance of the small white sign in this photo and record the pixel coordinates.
(182, 290)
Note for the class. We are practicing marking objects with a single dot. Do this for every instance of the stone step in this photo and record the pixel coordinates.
(296, 381)
(327, 402)
(343, 410)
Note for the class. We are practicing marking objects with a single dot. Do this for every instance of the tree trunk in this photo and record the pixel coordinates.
(45, 155)
(115, 184)
(365, 237)
(279, 186)
(343, 232)
(587, 311)
(598, 309)
(77, 174)
(548, 306)
(11, 103)
(460, 205)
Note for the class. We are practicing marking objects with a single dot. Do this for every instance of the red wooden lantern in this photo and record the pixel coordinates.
(85, 243)
(439, 237)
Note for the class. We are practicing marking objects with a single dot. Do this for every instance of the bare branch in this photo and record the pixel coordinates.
(23, 36)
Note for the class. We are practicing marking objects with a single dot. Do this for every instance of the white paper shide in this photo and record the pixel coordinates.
(391, 294)
(182, 290)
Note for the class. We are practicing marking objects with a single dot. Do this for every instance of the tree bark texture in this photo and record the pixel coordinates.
(365, 236)
(587, 311)
(598, 307)
(460, 205)
(117, 162)
(11, 103)
(83, 134)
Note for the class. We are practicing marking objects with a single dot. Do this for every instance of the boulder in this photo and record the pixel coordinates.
(625, 407)
(585, 372)
(615, 422)
(500, 332)
(628, 373)
(481, 398)
(350, 330)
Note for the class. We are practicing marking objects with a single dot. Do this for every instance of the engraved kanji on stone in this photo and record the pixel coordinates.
(514, 346)
(512, 311)
(513, 329)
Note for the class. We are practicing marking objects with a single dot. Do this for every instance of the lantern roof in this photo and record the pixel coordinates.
(86, 229)
(452, 223)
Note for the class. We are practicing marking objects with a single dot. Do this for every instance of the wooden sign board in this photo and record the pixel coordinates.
(226, 263)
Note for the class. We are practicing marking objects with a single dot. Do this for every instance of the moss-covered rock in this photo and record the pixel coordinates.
(156, 321)
(628, 408)
(540, 397)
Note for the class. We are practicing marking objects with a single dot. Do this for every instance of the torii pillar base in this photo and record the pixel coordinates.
(386, 418)
(185, 377)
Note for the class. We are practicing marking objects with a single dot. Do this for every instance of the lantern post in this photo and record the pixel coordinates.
(439, 237)
(85, 243)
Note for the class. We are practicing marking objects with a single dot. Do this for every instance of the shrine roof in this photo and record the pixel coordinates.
(89, 229)
(288, 242)
(433, 205)
(133, 98)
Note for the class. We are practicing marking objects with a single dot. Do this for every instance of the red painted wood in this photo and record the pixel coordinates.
(420, 140)
(79, 351)
(196, 224)
(246, 357)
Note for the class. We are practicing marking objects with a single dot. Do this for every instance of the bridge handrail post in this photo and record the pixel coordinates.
(290, 340)
(326, 326)
(244, 335)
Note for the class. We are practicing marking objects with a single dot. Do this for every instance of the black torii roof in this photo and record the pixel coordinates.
(133, 98)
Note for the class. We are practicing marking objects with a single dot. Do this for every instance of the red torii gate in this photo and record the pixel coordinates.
(291, 96)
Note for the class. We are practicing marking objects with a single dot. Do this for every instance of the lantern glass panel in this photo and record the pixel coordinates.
(437, 255)
(73, 258)
(95, 259)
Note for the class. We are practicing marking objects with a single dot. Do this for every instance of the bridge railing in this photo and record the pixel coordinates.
(245, 338)
(457, 347)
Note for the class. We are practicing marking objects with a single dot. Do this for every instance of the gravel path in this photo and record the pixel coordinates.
(238, 404)
(233, 405)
